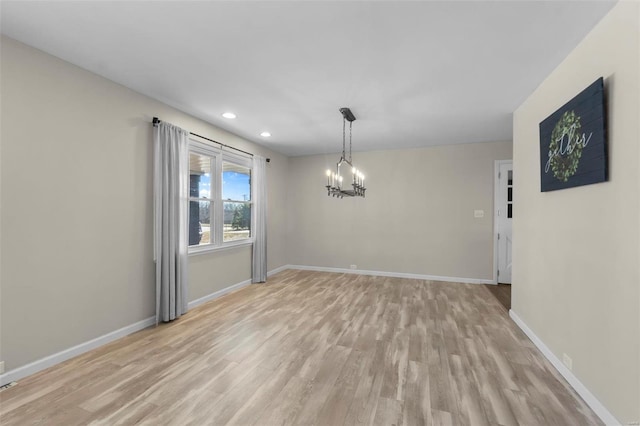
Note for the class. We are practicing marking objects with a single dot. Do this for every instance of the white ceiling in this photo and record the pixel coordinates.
(414, 73)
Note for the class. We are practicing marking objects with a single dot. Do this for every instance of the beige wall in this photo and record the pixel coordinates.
(204, 269)
(76, 194)
(417, 218)
(576, 251)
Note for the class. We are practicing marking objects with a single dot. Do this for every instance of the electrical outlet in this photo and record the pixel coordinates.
(354, 266)
(1, 367)
(478, 213)
(566, 360)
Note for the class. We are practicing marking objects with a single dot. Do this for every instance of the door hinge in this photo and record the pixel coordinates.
(498, 272)
(499, 175)
(498, 236)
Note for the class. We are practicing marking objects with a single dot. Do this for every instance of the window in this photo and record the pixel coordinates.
(236, 193)
(200, 208)
(219, 197)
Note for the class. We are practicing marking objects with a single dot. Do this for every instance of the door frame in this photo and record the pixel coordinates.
(496, 203)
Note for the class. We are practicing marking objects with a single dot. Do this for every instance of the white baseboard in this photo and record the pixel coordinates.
(218, 293)
(231, 288)
(51, 360)
(600, 410)
(393, 274)
(279, 269)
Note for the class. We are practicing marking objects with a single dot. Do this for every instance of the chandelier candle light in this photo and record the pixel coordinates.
(335, 180)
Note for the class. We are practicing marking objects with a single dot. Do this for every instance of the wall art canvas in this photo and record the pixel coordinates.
(573, 145)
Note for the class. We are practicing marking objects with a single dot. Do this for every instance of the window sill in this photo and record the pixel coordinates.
(198, 250)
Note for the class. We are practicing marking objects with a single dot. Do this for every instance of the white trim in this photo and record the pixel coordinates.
(51, 360)
(496, 205)
(218, 293)
(212, 248)
(57, 358)
(600, 410)
(278, 269)
(231, 288)
(392, 274)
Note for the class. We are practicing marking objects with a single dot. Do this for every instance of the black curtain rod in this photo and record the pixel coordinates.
(156, 120)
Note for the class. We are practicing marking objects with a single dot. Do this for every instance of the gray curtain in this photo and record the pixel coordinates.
(259, 187)
(171, 170)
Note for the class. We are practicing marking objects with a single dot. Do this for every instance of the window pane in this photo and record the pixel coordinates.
(199, 222)
(237, 221)
(199, 176)
(236, 182)
(509, 194)
(509, 211)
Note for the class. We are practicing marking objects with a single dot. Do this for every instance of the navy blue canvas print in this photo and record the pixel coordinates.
(573, 146)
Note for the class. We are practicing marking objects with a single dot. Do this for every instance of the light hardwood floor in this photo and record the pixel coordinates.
(313, 348)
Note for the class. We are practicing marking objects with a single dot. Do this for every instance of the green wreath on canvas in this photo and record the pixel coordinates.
(565, 166)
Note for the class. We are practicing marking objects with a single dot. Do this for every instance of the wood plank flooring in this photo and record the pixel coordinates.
(502, 292)
(313, 348)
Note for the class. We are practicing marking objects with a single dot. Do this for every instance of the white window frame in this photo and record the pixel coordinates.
(220, 156)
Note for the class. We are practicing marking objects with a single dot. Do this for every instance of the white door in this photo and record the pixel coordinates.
(504, 214)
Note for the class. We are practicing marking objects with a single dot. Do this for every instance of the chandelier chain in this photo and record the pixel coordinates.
(343, 136)
(350, 126)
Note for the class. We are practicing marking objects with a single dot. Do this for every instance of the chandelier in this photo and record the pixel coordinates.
(335, 181)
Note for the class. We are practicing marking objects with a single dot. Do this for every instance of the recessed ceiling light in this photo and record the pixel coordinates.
(265, 134)
(229, 115)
